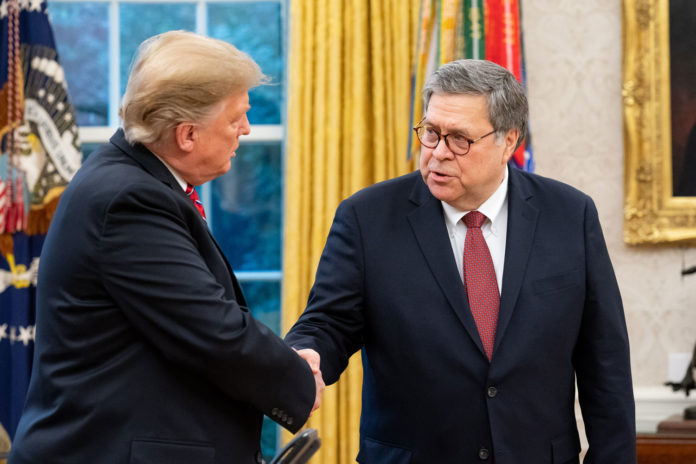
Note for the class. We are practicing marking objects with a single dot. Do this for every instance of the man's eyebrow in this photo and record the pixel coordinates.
(239, 114)
(455, 131)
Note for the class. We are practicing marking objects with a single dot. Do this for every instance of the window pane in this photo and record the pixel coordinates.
(255, 28)
(142, 20)
(263, 299)
(88, 149)
(245, 214)
(84, 54)
(269, 439)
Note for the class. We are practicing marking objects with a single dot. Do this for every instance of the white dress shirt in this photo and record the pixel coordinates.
(494, 229)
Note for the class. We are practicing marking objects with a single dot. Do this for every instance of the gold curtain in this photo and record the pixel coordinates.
(349, 98)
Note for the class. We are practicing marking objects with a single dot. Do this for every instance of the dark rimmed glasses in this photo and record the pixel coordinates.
(430, 138)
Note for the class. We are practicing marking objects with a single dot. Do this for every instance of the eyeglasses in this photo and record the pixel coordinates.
(430, 138)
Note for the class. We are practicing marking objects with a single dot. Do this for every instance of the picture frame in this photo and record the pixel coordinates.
(653, 214)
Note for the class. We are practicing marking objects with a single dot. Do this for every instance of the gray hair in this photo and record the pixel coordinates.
(506, 100)
(180, 76)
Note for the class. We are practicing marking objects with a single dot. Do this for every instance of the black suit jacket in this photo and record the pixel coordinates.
(145, 351)
(387, 283)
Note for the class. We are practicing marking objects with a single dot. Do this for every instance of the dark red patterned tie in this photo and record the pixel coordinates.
(193, 195)
(480, 281)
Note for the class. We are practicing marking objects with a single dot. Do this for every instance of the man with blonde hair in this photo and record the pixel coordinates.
(145, 351)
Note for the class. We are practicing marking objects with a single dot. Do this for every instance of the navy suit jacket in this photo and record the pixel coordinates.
(145, 351)
(387, 283)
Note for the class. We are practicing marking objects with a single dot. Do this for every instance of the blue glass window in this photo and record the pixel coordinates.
(263, 299)
(84, 54)
(84, 50)
(246, 208)
(88, 149)
(138, 21)
(239, 23)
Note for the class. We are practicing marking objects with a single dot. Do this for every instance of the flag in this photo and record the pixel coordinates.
(420, 69)
(18, 273)
(474, 29)
(40, 154)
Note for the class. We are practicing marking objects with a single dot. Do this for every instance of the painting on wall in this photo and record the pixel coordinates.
(682, 44)
(659, 99)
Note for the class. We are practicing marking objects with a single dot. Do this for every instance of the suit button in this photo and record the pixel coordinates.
(290, 420)
(284, 418)
(274, 411)
(483, 454)
(492, 391)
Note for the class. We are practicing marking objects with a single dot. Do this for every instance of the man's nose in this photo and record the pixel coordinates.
(442, 151)
(245, 128)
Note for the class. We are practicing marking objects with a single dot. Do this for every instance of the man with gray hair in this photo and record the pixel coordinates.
(478, 294)
(145, 350)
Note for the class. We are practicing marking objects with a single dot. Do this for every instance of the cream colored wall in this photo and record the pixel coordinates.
(573, 55)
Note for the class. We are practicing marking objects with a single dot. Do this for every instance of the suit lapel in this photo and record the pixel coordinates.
(522, 221)
(428, 225)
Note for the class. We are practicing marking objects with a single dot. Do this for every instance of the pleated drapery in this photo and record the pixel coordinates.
(349, 107)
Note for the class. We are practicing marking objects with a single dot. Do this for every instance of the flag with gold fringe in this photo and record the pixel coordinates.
(40, 154)
(476, 29)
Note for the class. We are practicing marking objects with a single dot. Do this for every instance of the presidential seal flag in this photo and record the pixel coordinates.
(40, 154)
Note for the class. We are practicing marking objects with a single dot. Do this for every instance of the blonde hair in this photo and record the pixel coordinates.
(180, 76)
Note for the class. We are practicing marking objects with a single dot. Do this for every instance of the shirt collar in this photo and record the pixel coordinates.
(182, 183)
(490, 208)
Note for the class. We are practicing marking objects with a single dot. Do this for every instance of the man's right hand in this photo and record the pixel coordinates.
(314, 361)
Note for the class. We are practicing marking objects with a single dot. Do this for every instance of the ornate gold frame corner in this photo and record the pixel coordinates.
(652, 215)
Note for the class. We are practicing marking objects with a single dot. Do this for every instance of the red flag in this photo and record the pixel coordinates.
(502, 26)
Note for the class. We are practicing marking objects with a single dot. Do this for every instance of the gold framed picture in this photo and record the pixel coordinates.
(659, 102)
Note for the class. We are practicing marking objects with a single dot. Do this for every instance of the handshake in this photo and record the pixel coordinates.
(314, 361)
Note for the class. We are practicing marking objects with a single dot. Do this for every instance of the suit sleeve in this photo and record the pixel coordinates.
(152, 268)
(332, 324)
(602, 359)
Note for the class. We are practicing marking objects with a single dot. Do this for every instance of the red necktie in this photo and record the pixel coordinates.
(193, 195)
(479, 279)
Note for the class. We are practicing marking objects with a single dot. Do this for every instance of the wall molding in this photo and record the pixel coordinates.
(654, 404)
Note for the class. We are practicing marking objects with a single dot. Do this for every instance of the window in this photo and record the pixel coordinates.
(96, 41)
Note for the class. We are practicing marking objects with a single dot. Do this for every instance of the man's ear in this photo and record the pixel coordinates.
(185, 135)
(510, 143)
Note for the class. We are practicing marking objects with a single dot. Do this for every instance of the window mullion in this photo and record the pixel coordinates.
(114, 63)
(202, 17)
